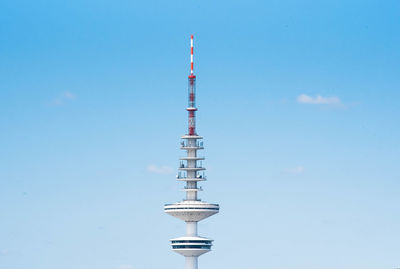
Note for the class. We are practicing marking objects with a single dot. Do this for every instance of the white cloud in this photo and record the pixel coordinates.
(299, 169)
(318, 100)
(125, 266)
(62, 98)
(162, 169)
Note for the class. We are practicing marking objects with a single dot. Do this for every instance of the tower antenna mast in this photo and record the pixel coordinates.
(192, 94)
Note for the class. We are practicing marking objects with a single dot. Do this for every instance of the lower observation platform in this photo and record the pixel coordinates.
(191, 246)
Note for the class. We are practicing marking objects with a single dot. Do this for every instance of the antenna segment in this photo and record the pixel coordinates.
(192, 94)
(191, 54)
(192, 209)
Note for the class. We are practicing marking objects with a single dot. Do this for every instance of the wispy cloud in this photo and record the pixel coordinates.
(318, 100)
(125, 266)
(63, 98)
(299, 169)
(9, 252)
(162, 169)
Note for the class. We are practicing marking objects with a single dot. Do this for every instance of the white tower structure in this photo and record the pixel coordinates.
(192, 209)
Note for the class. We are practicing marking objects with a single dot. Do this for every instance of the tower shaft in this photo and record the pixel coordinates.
(191, 262)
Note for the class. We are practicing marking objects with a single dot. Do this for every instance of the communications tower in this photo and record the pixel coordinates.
(192, 209)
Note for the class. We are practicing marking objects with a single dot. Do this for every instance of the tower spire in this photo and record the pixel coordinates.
(192, 209)
(191, 55)
(191, 94)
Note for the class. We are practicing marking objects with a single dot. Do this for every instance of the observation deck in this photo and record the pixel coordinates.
(192, 146)
(191, 246)
(191, 210)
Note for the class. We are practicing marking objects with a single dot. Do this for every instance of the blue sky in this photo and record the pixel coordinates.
(298, 104)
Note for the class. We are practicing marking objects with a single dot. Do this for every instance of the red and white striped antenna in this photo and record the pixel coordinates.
(192, 94)
(191, 55)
